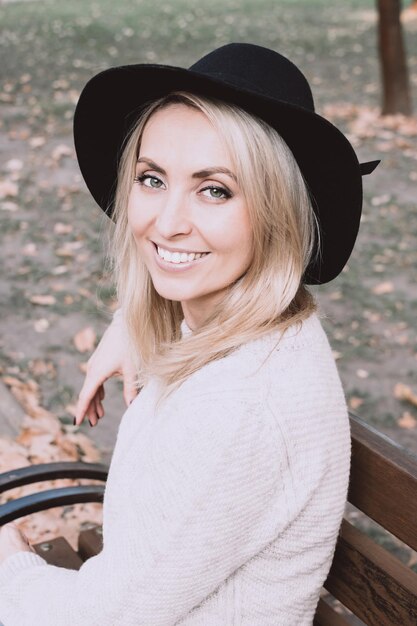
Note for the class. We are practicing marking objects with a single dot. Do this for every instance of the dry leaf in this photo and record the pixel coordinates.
(355, 402)
(37, 142)
(41, 325)
(61, 151)
(85, 339)
(362, 373)
(71, 409)
(9, 206)
(59, 269)
(14, 165)
(336, 295)
(8, 188)
(402, 392)
(62, 229)
(43, 439)
(85, 446)
(383, 288)
(30, 249)
(407, 421)
(39, 367)
(43, 300)
(68, 249)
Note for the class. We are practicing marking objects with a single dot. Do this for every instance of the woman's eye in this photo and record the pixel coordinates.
(149, 181)
(218, 193)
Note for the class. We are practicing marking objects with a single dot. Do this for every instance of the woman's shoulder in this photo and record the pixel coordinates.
(275, 355)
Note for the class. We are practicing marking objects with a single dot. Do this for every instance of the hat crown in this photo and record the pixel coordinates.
(255, 68)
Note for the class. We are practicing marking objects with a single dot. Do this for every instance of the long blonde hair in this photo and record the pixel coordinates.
(270, 295)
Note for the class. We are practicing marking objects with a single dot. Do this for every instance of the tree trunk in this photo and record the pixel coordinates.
(395, 83)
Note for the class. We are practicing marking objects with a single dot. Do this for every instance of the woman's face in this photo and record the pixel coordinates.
(187, 213)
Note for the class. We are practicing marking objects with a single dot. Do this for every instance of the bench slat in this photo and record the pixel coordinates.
(371, 582)
(90, 542)
(59, 552)
(327, 616)
(383, 481)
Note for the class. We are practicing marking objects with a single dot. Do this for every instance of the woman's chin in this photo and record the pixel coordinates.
(170, 292)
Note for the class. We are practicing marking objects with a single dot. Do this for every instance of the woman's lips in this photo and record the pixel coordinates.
(169, 266)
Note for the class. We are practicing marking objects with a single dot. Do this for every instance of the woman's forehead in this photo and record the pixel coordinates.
(182, 134)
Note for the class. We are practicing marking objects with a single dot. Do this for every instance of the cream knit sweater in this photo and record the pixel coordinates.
(220, 509)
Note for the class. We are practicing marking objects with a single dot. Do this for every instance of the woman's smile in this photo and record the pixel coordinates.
(176, 260)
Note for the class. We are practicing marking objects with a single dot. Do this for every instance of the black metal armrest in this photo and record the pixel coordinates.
(53, 497)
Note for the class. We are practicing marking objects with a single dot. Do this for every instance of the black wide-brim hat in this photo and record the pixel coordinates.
(260, 81)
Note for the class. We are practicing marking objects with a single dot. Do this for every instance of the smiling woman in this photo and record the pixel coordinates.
(229, 476)
(208, 178)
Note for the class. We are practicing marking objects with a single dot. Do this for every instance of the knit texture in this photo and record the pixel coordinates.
(221, 508)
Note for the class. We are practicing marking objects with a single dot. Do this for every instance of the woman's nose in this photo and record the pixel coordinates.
(173, 216)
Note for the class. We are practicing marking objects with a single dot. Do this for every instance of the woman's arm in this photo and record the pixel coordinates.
(111, 358)
(188, 503)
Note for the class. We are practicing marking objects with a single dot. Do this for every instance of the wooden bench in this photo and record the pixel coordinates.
(366, 583)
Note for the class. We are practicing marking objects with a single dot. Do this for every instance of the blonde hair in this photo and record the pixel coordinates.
(270, 295)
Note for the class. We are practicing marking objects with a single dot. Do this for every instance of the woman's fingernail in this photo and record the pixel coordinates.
(74, 420)
(90, 423)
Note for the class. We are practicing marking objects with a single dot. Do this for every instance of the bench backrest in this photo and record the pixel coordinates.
(373, 583)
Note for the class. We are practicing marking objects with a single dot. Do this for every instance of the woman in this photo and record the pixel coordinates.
(229, 476)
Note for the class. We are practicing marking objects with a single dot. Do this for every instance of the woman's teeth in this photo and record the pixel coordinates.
(180, 257)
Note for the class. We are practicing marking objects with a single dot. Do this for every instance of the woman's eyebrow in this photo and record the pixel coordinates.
(206, 173)
(214, 170)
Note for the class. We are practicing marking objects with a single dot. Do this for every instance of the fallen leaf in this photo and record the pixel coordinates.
(336, 295)
(71, 409)
(39, 367)
(30, 249)
(402, 392)
(59, 269)
(362, 373)
(37, 142)
(68, 249)
(62, 229)
(41, 325)
(85, 339)
(14, 165)
(8, 188)
(60, 151)
(355, 402)
(9, 206)
(383, 288)
(43, 300)
(407, 421)
(378, 200)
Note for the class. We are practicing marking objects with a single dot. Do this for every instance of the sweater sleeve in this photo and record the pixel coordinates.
(196, 506)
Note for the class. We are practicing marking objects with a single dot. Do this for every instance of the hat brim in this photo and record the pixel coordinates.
(113, 99)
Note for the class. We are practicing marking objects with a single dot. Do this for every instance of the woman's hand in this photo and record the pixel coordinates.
(111, 358)
(12, 540)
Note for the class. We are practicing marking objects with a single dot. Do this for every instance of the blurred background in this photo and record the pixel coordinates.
(56, 298)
